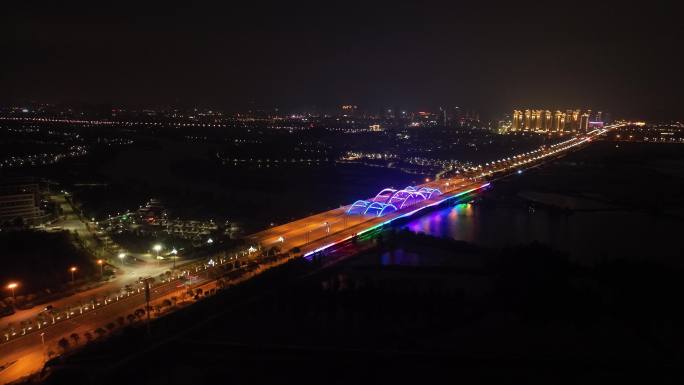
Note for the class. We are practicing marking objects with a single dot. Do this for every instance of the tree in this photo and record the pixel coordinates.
(110, 326)
(121, 321)
(139, 312)
(130, 318)
(100, 332)
(75, 337)
(166, 303)
(63, 344)
(88, 336)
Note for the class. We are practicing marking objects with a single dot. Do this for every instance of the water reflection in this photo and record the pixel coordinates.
(455, 222)
(584, 235)
(401, 257)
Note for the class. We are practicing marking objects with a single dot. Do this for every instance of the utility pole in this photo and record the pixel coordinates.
(147, 301)
(42, 340)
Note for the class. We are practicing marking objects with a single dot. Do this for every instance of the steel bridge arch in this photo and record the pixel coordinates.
(360, 204)
(430, 192)
(382, 195)
(380, 207)
(404, 196)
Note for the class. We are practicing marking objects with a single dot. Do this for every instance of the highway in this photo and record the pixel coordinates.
(322, 230)
(24, 354)
(27, 354)
(314, 232)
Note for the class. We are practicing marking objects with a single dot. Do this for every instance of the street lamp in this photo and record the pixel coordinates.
(175, 253)
(101, 263)
(12, 286)
(72, 269)
(122, 256)
(157, 248)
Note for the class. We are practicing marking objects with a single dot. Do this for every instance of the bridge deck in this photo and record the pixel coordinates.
(312, 233)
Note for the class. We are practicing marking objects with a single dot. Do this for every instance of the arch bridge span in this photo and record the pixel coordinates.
(390, 200)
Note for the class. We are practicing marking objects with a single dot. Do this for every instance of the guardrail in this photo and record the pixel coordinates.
(47, 319)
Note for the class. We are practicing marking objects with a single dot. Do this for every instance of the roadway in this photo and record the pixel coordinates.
(126, 273)
(316, 231)
(27, 354)
(310, 234)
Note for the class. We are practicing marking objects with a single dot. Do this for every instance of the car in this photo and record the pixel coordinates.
(48, 308)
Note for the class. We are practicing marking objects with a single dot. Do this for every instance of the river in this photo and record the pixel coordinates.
(584, 235)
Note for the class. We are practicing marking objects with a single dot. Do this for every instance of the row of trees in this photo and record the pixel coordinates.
(73, 339)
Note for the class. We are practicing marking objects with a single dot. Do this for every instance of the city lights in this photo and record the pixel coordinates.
(12, 287)
(360, 168)
(73, 270)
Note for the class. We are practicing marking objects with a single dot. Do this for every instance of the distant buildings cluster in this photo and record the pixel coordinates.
(547, 121)
(21, 203)
(446, 116)
(153, 218)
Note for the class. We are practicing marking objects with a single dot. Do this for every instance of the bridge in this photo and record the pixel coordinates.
(24, 349)
(321, 231)
(324, 230)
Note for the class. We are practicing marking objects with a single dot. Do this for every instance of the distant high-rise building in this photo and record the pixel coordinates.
(599, 116)
(537, 120)
(548, 119)
(584, 122)
(570, 119)
(348, 110)
(443, 116)
(558, 118)
(516, 124)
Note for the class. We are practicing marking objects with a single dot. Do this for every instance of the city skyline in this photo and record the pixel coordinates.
(396, 192)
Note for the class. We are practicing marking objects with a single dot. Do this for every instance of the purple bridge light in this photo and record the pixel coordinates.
(389, 200)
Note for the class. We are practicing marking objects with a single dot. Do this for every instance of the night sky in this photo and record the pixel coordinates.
(235, 56)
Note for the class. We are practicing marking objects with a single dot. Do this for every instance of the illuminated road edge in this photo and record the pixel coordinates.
(405, 215)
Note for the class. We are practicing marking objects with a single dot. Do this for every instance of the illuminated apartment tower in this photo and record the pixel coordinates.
(537, 114)
(584, 121)
(548, 119)
(516, 125)
(528, 120)
(569, 126)
(559, 124)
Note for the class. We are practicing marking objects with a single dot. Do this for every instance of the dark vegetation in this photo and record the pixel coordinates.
(524, 314)
(40, 262)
